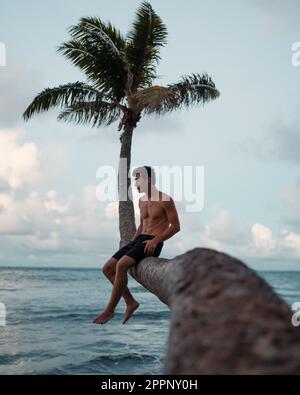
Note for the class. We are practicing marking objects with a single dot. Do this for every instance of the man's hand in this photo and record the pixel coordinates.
(150, 246)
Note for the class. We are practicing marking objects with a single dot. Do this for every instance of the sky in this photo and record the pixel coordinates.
(247, 141)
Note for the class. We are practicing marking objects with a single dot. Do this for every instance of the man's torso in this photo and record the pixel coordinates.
(154, 217)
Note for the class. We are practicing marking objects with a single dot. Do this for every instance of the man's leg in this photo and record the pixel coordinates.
(120, 284)
(109, 270)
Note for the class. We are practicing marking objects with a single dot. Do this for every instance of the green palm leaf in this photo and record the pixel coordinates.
(61, 96)
(94, 113)
(144, 40)
(97, 49)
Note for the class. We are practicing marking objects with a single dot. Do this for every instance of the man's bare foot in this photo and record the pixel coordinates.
(104, 317)
(131, 307)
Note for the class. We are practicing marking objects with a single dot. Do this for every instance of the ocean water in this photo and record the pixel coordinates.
(49, 331)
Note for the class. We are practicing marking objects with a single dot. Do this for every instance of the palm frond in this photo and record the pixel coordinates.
(98, 50)
(111, 36)
(144, 40)
(94, 113)
(190, 90)
(61, 96)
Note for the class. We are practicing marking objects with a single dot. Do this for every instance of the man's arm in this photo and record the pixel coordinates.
(140, 228)
(174, 225)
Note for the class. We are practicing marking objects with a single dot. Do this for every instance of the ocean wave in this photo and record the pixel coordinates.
(109, 364)
(12, 359)
(57, 316)
(164, 314)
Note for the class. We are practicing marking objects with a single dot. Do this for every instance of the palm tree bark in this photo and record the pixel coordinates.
(225, 319)
(127, 225)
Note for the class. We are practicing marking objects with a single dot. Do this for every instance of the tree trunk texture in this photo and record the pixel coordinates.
(225, 319)
(127, 225)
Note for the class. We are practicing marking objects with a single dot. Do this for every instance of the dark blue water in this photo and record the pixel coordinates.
(49, 331)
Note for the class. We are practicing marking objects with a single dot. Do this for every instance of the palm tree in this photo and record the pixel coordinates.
(120, 71)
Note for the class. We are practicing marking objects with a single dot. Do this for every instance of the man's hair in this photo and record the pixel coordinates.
(145, 171)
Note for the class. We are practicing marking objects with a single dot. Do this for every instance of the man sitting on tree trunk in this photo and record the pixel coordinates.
(159, 222)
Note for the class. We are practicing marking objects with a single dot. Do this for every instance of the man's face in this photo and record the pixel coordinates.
(140, 183)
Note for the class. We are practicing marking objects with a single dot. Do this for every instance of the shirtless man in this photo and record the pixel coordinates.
(159, 222)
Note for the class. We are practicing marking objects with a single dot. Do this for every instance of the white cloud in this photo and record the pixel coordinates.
(47, 221)
(21, 217)
(5, 201)
(51, 203)
(262, 241)
(291, 243)
(225, 234)
(43, 223)
(19, 162)
(263, 244)
(224, 228)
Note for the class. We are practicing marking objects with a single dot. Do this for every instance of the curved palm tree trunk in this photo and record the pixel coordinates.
(127, 225)
(225, 319)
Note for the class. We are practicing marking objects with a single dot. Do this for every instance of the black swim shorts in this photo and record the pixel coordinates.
(135, 248)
